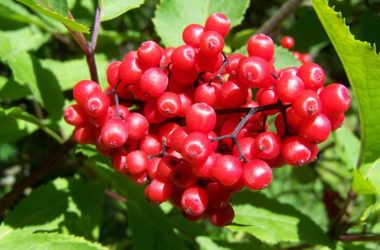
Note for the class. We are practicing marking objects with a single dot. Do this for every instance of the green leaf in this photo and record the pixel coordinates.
(114, 8)
(11, 10)
(11, 44)
(283, 57)
(21, 239)
(67, 73)
(361, 184)
(43, 209)
(206, 243)
(47, 10)
(350, 145)
(362, 65)
(12, 90)
(146, 221)
(272, 222)
(28, 71)
(172, 16)
(366, 180)
(19, 114)
(59, 6)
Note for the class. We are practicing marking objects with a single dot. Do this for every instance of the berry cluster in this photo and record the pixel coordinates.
(197, 135)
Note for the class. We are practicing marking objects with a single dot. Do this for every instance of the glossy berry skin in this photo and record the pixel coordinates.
(114, 133)
(183, 176)
(194, 201)
(130, 71)
(316, 129)
(158, 191)
(191, 35)
(257, 174)
(196, 148)
(84, 90)
(166, 167)
(232, 95)
(218, 22)
(149, 54)
(336, 121)
(75, 115)
(232, 67)
(201, 118)
(177, 138)
(84, 134)
(335, 99)
(137, 161)
(287, 42)
(207, 93)
(261, 45)
(312, 75)
(137, 126)
(113, 73)
(307, 104)
(218, 196)
(204, 169)
(296, 151)
(267, 145)
(228, 170)
(169, 104)
(221, 217)
(154, 82)
(246, 146)
(151, 144)
(119, 162)
(253, 71)
(289, 87)
(211, 43)
(97, 105)
(183, 57)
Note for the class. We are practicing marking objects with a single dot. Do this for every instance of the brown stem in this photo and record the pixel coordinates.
(339, 221)
(10, 198)
(285, 10)
(359, 237)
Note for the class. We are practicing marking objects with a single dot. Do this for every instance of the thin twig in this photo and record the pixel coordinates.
(285, 10)
(359, 237)
(95, 32)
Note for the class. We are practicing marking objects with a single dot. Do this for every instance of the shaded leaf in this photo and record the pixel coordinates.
(59, 6)
(362, 65)
(272, 222)
(172, 16)
(41, 8)
(350, 145)
(114, 8)
(12, 90)
(21, 239)
(366, 180)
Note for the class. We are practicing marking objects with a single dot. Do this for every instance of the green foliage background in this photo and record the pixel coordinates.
(84, 204)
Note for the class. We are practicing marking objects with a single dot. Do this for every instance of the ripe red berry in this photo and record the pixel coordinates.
(154, 82)
(84, 134)
(232, 95)
(296, 151)
(114, 133)
(183, 57)
(267, 145)
(221, 217)
(149, 54)
(287, 42)
(218, 22)
(96, 105)
(207, 93)
(211, 43)
(151, 144)
(137, 161)
(200, 117)
(261, 45)
(196, 148)
(119, 161)
(316, 129)
(169, 104)
(246, 147)
(191, 35)
(75, 115)
(204, 169)
(84, 90)
(254, 71)
(158, 191)
(307, 104)
(166, 166)
(130, 70)
(113, 73)
(335, 99)
(227, 170)
(137, 126)
(194, 201)
(218, 196)
(183, 176)
(257, 174)
(289, 87)
(312, 75)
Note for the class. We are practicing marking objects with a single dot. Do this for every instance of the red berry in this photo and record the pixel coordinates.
(137, 126)
(221, 217)
(194, 201)
(289, 87)
(119, 162)
(169, 104)
(261, 45)
(154, 82)
(296, 151)
(200, 117)
(232, 95)
(257, 174)
(75, 115)
(158, 191)
(166, 166)
(183, 57)
(267, 145)
(335, 99)
(183, 175)
(114, 133)
(316, 129)
(84, 90)
(211, 43)
(204, 169)
(149, 54)
(254, 71)
(218, 22)
(151, 144)
(196, 148)
(113, 73)
(287, 42)
(137, 161)
(312, 75)
(307, 104)
(97, 105)
(227, 170)
(130, 70)
(218, 196)
(191, 35)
